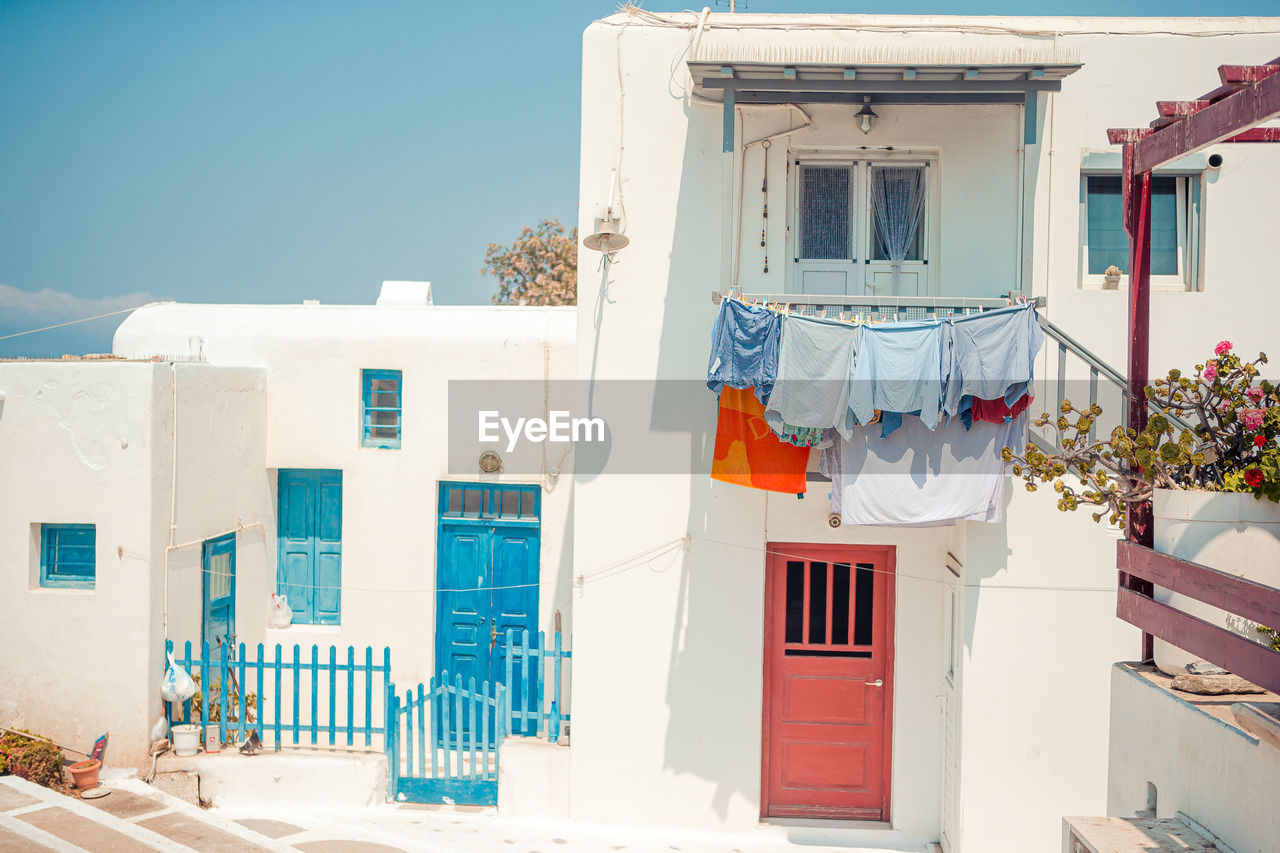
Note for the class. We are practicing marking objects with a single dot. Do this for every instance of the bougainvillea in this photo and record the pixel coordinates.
(1215, 430)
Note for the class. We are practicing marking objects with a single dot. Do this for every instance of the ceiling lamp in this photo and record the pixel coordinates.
(866, 116)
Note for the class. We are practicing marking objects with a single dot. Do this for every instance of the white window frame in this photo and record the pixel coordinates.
(1190, 225)
(860, 190)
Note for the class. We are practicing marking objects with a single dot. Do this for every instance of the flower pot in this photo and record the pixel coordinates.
(1227, 531)
(85, 773)
(186, 738)
(1111, 282)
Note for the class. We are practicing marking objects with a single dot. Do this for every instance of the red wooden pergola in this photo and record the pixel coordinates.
(1248, 96)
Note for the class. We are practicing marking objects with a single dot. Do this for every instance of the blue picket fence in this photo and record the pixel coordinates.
(287, 694)
(527, 680)
(442, 742)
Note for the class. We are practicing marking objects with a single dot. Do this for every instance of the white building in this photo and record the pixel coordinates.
(995, 697)
(318, 450)
(210, 425)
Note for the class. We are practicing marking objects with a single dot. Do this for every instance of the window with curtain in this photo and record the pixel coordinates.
(826, 215)
(1174, 228)
(897, 211)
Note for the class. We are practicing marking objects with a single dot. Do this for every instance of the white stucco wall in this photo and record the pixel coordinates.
(311, 357)
(1213, 771)
(668, 667)
(90, 442)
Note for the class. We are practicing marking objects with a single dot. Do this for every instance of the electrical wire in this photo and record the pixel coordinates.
(72, 322)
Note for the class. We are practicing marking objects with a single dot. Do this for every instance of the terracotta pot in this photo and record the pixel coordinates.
(86, 773)
(1228, 531)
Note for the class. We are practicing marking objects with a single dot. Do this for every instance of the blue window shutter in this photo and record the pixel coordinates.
(328, 548)
(296, 553)
(1164, 225)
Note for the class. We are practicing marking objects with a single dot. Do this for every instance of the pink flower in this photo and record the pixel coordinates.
(1252, 418)
(1223, 347)
(1210, 370)
(1254, 393)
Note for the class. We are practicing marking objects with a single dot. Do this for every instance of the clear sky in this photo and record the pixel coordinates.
(273, 151)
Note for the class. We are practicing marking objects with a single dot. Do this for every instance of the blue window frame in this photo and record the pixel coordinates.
(67, 556)
(382, 418)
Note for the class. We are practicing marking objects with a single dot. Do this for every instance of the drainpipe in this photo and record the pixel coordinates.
(173, 490)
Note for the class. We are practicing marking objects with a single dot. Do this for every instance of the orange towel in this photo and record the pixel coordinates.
(748, 453)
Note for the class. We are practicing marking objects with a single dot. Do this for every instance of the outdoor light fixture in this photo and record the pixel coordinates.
(607, 238)
(866, 116)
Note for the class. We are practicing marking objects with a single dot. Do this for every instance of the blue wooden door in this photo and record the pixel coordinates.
(309, 544)
(218, 564)
(487, 565)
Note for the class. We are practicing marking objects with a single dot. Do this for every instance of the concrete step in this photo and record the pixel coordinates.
(314, 778)
(132, 817)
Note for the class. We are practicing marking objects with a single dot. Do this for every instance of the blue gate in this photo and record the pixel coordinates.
(442, 742)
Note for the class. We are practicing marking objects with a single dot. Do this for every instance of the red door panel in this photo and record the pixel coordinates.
(828, 682)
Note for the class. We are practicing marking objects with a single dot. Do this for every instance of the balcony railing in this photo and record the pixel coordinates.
(1244, 598)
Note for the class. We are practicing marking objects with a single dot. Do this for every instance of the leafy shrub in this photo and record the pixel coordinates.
(34, 760)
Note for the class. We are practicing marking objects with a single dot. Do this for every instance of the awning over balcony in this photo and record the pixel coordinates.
(888, 72)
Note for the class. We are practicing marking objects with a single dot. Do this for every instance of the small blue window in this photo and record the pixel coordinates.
(382, 417)
(67, 555)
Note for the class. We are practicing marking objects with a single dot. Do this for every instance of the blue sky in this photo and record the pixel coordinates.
(276, 151)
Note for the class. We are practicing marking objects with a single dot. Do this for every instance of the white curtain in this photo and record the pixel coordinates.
(897, 195)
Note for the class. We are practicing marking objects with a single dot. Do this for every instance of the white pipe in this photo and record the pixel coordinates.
(697, 34)
(173, 491)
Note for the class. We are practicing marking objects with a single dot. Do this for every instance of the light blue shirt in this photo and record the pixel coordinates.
(992, 356)
(900, 368)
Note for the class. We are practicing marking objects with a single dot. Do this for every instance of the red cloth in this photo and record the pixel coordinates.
(748, 453)
(997, 411)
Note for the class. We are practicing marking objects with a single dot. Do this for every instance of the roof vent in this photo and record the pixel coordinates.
(399, 294)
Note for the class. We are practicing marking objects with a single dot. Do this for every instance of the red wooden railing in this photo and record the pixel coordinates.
(1258, 602)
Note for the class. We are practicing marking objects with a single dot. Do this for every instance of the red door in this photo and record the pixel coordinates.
(828, 676)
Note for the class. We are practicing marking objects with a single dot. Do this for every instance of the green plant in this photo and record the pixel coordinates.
(233, 704)
(1113, 270)
(37, 761)
(1272, 635)
(1231, 444)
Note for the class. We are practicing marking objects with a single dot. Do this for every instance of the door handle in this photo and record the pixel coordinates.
(879, 682)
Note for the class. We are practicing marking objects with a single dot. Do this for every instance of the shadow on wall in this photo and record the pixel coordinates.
(719, 593)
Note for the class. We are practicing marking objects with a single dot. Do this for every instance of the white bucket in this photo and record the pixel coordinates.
(186, 739)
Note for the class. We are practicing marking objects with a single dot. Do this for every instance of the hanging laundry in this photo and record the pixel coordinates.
(815, 362)
(922, 478)
(807, 436)
(995, 411)
(992, 357)
(747, 453)
(900, 369)
(744, 348)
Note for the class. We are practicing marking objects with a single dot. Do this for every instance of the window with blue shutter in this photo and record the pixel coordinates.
(1175, 227)
(309, 544)
(381, 419)
(67, 557)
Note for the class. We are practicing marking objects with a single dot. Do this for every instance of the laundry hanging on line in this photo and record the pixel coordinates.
(939, 375)
(748, 453)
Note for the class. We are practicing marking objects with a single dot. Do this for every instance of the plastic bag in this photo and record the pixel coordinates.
(177, 685)
(281, 614)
